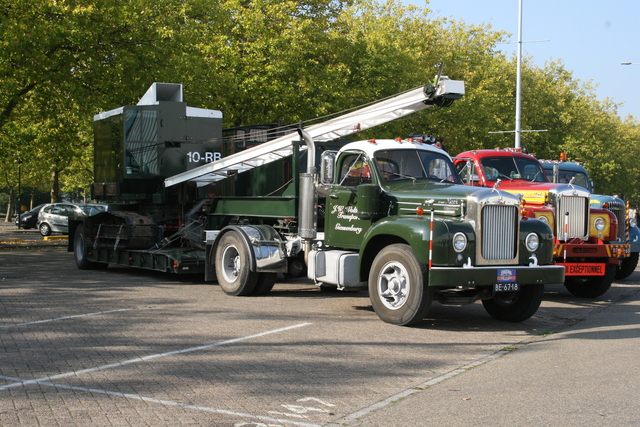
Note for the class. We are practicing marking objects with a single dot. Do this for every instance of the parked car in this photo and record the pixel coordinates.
(54, 217)
(28, 219)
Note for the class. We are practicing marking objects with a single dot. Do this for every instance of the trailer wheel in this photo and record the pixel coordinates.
(515, 306)
(398, 286)
(591, 287)
(265, 283)
(80, 252)
(627, 266)
(232, 266)
(45, 229)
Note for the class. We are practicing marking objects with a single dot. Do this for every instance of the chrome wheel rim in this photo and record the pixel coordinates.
(230, 263)
(393, 285)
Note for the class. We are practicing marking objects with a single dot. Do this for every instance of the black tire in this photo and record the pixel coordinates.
(627, 266)
(398, 286)
(232, 266)
(591, 286)
(515, 306)
(265, 283)
(80, 252)
(45, 229)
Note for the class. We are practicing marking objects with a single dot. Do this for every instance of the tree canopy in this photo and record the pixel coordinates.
(260, 61)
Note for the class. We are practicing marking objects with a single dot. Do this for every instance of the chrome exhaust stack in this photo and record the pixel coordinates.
(307, 208)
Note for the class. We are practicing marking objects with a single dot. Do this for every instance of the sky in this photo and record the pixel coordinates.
(590, 37)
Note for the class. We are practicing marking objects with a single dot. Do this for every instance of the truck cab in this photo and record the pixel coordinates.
(586, 236)
(400, 222)
(372, 171)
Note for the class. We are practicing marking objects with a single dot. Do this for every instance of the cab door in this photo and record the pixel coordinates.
(345, 221)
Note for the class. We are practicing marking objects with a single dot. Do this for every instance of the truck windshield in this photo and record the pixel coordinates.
(564, 177)
(415, 164)
(503, 167)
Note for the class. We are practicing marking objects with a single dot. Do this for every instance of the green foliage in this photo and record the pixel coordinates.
(259, 61)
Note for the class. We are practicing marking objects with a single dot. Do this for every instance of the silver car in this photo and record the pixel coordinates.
(54, 217)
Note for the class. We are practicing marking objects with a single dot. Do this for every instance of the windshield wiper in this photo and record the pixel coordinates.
(535, 176)
(404, 176)
(505, 176)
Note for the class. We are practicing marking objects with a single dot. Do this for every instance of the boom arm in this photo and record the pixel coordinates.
(382, 112)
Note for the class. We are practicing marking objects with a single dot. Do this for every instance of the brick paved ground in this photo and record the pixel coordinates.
(123, 347)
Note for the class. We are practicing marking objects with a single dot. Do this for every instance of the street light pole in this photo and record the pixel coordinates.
(19, 162)
(518, 125)
(519, 80)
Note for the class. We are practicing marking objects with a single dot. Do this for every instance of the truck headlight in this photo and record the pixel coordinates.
(632, 222)
(543, 219)
(532, 241)
(459, 242)
(599, 224)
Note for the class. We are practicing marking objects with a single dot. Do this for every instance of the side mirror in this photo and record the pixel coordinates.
(328, 167)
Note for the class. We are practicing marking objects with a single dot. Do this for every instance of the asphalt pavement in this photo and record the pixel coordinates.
(12, 237)
(582, 373)
(586, 375)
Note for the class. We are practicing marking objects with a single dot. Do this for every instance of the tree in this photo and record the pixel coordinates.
(263, 60)
(61, 60)
(260, 61)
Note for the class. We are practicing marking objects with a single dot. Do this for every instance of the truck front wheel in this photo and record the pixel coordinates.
(398, 286)
(515, 306)
(627, 266)
(232, 266)
(591, 286)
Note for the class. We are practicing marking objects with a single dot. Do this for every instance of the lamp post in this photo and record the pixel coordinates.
(19, 162)
(518, 125)
(519, 79)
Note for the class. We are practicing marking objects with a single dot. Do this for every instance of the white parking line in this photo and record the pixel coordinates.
(144, 358)
(64, 318)
(183, 405)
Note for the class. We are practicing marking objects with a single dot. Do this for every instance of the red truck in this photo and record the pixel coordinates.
(585, 237)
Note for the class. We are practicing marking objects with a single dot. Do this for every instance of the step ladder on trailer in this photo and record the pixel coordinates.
(376, 114)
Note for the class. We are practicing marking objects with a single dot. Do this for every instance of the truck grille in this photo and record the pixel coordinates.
(499, 232)
(578, 209)
(619, 209)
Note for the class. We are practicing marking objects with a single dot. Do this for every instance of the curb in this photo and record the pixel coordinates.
(26, 244)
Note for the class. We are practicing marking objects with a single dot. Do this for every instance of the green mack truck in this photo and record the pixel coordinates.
(390, 216)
